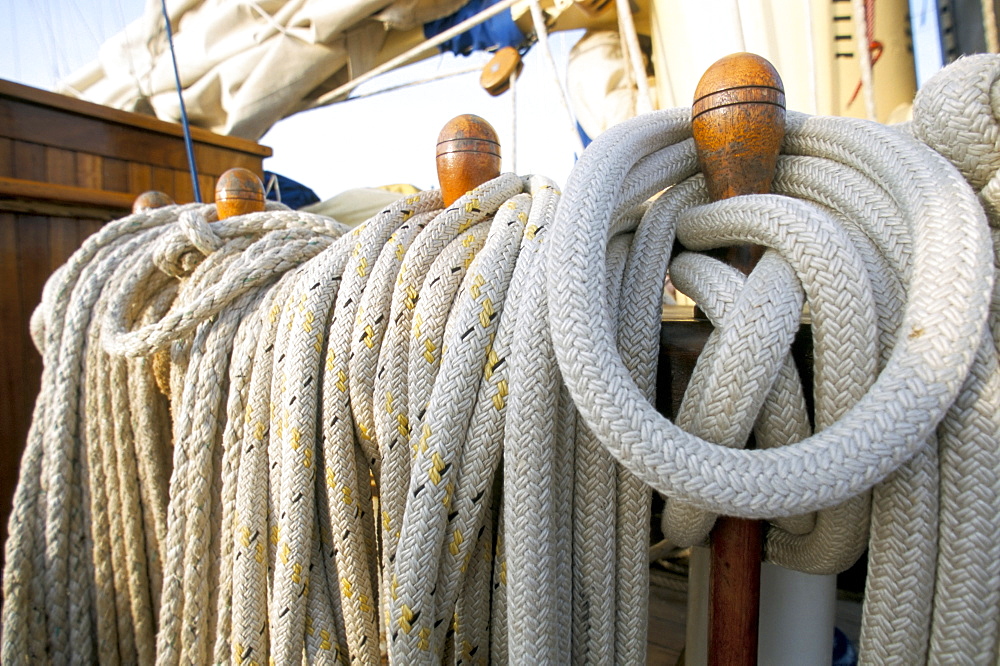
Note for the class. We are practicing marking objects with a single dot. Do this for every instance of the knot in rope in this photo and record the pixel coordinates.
(193, 239)
(851, 454)
(869, 247)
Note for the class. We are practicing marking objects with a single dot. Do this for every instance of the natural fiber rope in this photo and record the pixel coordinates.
(419, 353)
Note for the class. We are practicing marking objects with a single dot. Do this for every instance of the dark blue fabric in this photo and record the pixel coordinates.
(295, 195)
(844, 652)
(495, 33)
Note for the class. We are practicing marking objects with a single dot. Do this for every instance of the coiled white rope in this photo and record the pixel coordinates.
(915, 217)
(417, 355)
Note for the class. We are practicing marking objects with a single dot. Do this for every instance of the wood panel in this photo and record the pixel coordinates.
(12, 406)
(667, 623)
(66, 168)
(6, 157)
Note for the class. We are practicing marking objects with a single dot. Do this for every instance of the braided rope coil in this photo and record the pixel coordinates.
(427, 350)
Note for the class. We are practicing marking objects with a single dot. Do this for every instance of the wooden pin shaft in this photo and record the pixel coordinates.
(468, 155)
(738, 121)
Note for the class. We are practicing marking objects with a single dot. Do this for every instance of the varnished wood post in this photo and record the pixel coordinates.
(738, 123)
(151, 199)
(238, 192)
(468, 155)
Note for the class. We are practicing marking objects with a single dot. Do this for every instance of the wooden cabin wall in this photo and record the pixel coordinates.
(67, 167)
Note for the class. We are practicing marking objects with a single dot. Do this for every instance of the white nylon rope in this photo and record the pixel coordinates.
(711, 476)
(419, 351)
(569, 277)
(955, 114)
(36, 556)
(443, 425)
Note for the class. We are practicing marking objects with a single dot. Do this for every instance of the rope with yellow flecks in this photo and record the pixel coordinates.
(439, 358)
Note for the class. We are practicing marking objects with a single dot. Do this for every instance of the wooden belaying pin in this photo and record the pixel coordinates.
(151, 199)
(468, 155)
(237, 192)
(738, 123)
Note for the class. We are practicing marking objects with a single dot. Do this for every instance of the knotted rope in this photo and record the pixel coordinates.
(443, 357)
(888, 242)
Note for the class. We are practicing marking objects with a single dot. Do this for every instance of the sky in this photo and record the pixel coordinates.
(377, 140)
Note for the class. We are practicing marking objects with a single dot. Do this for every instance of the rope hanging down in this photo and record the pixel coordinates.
(891, 225)
(294, 366)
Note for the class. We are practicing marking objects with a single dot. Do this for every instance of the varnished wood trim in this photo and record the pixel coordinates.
(78, 106)
(15, 194)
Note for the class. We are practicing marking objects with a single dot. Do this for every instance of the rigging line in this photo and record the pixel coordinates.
(414, 53)
(120, 16)
(47, 26)
(409, 84)
(180, 96)
(513, 120)
(12, 17)
(632, 54)
(542, 34)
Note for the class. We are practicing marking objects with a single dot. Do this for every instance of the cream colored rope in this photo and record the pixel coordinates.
(439, 357)
(762, 483)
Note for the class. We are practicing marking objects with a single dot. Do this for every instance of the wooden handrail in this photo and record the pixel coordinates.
(16, 188)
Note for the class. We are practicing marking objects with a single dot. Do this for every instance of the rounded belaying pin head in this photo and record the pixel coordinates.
(738, 123)
(468, 155)
(238, 191)
(151, 199)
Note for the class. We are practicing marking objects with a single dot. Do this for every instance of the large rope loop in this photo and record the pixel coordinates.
(956, 114)
(886, 426)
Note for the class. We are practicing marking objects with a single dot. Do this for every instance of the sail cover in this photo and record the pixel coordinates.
(244, 65)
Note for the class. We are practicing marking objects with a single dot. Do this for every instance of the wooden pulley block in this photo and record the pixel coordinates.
(237, 192)
(497, 73)
(468, 155)
(151, 199)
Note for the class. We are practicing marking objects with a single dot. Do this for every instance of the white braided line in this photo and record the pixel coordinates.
(150, 411)
(391, 391)
(520, 346)
(240, 374)
(195, 513)
(301, 345)
(431, 317)
(251, 524)
(956, 115)
(370, 326)
(33, 569)
(462, 566)
(875, 165)
(347, 490)
(594, 505)
(841, 304)
(412, 611)
(851, 454)
(427, 341)
(472, 630)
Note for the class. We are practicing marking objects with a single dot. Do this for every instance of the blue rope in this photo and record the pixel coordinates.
(184, 117)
